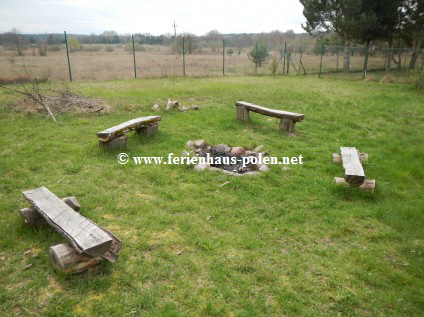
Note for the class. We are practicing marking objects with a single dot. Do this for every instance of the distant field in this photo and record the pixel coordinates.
(283, 243)
(159, 61)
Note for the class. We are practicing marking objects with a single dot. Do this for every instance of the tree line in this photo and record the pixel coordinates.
(399, 23)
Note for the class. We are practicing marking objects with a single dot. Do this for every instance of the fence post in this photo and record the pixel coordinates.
(288, 62)
(337, 66)
(364, 75)
(67, 54)
(320, 63)
(133, 49)
(300, 60)
(183, 58)
(284, 58)
(223, 57)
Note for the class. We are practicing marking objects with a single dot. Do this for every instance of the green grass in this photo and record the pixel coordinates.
(284, 243)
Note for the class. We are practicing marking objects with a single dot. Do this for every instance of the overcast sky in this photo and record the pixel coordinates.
(150, 16)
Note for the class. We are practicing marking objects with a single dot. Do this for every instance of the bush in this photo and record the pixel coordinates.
(273, 66)
(54, 48)
(109, 48)
(73, 44)
(259, 54)
(137, 47)
(418, 78)
(230, 51)
(90, 48)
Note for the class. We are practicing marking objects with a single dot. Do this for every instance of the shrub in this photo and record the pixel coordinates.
(54, 48)
(259, 54)
(418, 78)
(109, 48)
(90, 48)
(273, 66)
(137, 47)
(230, 51)
(73, 44)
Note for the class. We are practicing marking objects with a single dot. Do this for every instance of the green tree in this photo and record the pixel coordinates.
(412, 27)
(258, 54)
(73, 44)
(340, 16)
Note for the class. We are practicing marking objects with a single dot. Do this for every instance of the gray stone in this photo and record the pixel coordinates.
(258, 148)
(200, 167)
(190, 144)
(200, 144)
(221, 149)
(194, 107)
(251, 153)
(156, 107)
(264, 168)
(237, 151)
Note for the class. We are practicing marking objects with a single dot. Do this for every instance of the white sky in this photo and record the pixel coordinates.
(150, 16)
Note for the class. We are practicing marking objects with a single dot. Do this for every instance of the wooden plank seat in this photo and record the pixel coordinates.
(88, 243)
(287, 119)
(352, 160)
(114, 137)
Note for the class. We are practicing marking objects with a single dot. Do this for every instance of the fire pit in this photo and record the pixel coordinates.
(234, 160)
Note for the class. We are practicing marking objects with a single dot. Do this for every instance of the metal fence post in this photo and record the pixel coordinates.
(67, 54)
(284, 58)
(364, 75)
(133, 49)
(337, 63)
(184, 73)
(223, 57)
(320, 63)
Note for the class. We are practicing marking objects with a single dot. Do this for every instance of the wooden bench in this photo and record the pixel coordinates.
(354, 172)
(88, 242)
(287, 119)
(114, 138)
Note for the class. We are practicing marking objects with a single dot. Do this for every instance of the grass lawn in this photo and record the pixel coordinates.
(284, 243)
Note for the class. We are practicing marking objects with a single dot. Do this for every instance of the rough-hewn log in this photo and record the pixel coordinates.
(67, 260)
(81, 233)
(270, 112)
(337, 158)
(123, 128)
(287, 125)
(114, 144)
(242, 114)
(148, 131)
(368, 185)
(354, 173)
(34, 220)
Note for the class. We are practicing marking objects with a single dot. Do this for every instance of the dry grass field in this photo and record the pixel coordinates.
(159, 61)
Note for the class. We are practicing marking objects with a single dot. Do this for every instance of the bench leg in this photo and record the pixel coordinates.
(114, 144)
(148, 131)
(67, 260)
(242, 114)
(287, 125)
(368, 185)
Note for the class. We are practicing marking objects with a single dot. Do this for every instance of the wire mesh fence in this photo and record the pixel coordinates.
(195, 57)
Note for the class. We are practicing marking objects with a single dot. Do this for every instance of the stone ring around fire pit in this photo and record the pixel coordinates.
(234, 160)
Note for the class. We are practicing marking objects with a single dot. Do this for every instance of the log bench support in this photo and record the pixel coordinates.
(354, 173)
(115, 138)
(287, 119)
(66, 259)
(148, 131)
(88, 244)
